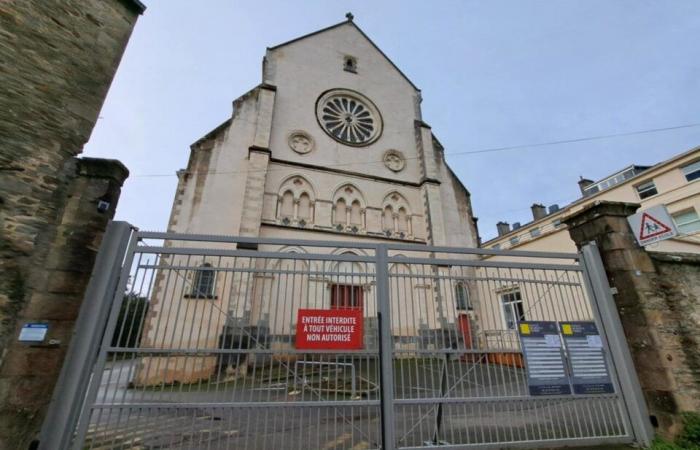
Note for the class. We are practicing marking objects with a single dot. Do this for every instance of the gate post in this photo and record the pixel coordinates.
(604, 305)
(386, 357)
(69, 392)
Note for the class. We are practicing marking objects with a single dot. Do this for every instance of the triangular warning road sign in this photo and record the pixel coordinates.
(651, 227)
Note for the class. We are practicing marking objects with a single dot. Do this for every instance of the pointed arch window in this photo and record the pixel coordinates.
(287, 206)
(403, 220)
(356, 214)
(304, 207)
(388, 219)
(462, 297)
(203, 286)
(340, 213)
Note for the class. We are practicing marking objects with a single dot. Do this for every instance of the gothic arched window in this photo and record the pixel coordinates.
(287, 206)
(341, 215)
(349, 208)
(304, 207)
(396, 216)
(203, 286)
(295, 201)
(403, 220)
(388, 219)
(356, 214)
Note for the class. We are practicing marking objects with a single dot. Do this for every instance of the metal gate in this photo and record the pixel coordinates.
(191, 342)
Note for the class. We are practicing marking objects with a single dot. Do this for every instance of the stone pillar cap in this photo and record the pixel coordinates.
(103, 168)
(601, 208)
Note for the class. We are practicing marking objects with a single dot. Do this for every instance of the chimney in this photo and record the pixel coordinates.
(583, 183)
(538, 211)
(503, 228)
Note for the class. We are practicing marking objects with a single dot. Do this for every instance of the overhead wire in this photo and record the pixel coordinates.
(466, 152)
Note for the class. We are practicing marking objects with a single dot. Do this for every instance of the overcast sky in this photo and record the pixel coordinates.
(492, 73)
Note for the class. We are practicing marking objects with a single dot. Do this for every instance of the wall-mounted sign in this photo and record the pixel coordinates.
(589, 369)
(544, 358)
(652, 225)
(329, 329)
(33, 332)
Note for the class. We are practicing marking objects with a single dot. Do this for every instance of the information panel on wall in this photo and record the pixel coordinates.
(544, 358)
(589, 369)
(329, 329)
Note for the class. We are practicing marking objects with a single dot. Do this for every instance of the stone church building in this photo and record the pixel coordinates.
(331, 143)
(330, 146)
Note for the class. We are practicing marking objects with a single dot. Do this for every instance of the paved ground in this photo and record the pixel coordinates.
(296, 426)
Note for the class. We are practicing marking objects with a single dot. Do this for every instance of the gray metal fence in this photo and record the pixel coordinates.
(200, 349)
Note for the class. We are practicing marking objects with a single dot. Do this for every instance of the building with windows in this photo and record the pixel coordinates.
(673, 183)
(330, 146)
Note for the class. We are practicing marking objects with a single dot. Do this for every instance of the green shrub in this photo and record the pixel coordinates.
(130, 321)
(690, 436)
(689, 439)
(660, 444)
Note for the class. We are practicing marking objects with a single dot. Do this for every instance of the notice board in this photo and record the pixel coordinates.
(544, 358)
(329, 329)
(589, 368)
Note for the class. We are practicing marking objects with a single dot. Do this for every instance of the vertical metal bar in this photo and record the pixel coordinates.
(111, 323)
(64, 409)
(617, 344)
(385, 349)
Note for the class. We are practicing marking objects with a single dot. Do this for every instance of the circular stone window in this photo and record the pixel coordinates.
(349, 117)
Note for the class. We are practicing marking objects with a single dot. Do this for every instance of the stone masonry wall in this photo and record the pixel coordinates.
(28, 372)
(57, 61)
(657, 300)
(679, 283)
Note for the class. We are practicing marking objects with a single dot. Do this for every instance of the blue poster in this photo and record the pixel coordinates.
(544, 358)
(589, 368)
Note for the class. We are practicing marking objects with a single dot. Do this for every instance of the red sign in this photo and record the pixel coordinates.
(329, 329)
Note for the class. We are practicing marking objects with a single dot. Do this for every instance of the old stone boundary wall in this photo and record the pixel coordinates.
(678, 286)
(657, 296)
(57, 61)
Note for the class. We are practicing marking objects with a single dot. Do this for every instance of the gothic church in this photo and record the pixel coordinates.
(331, 144)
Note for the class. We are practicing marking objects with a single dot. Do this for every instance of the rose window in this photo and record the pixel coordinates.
(349, 117)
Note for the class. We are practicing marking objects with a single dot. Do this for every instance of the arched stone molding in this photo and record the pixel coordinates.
(349, 208)
(396, 215)
(296, 200)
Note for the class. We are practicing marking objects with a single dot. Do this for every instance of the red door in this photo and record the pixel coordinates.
(465, 327)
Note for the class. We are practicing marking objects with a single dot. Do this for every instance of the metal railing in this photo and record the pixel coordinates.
(200, 349)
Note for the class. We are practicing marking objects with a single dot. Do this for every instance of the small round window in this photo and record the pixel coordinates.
(349, 117)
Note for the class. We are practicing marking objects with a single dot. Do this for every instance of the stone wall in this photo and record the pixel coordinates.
(57, 61)
(657, 297)
(28, 372)
(679, 284)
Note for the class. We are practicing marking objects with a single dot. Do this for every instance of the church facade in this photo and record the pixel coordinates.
(330, 146)
(331, 143)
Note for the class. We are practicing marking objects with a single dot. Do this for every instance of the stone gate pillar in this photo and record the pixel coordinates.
(648, 316)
